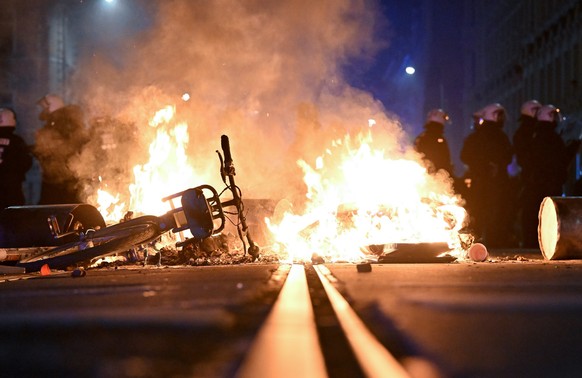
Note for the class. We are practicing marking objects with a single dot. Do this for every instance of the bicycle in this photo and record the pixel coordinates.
(203, 212)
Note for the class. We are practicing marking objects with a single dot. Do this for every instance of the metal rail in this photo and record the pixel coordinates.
(301, 338)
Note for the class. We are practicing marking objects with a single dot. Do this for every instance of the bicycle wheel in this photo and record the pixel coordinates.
(114, 239)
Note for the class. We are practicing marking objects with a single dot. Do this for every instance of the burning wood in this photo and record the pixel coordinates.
(417, 253)
(359, 196)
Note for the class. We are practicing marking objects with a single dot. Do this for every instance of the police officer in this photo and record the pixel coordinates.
(15, 161)
(524, 134)
(487, 152)
(58, 145)
(549, 159)
(431, 143)
(522, 141)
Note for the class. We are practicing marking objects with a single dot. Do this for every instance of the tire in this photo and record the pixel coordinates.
(114, 239)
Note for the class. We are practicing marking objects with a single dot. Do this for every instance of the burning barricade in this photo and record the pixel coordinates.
(65, 235)
(362, 204)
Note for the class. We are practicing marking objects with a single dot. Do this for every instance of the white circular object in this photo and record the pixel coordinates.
(478, 252)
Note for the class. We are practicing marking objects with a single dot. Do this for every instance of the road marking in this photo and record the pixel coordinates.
(287, 345)
(374, 359)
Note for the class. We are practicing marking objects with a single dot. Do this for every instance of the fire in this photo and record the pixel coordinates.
(163, 116)
(108, 205)
(357, 197)
(166, 172)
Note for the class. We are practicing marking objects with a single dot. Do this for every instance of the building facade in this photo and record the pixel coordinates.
(37, 56)
(525, 49)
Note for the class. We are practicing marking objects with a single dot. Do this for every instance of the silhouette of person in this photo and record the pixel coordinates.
(549, 158)
(432, 144)
(58, 144)
(487, 152)
(15, 161)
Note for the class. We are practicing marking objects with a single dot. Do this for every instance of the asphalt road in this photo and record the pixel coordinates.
(142, 322)
(503, 318)
(507, 317)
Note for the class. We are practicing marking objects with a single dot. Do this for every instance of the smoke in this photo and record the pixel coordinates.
(266, 73)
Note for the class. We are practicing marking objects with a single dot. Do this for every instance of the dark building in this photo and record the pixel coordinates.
(514, 51)
(41, 42)
(37, 54)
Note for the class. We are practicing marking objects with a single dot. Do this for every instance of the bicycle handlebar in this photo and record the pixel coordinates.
(227, 170)
(225, 144)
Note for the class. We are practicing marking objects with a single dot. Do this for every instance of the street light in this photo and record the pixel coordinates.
(410, 70)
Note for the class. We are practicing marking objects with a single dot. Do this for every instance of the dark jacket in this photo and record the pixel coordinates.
(487, 152)
(522, 140)
(58, 146)
(550, 158)
(15, 161)
(431, 143)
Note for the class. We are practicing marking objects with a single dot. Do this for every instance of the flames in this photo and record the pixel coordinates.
(109, 205)
(358, 197)
(166, 172)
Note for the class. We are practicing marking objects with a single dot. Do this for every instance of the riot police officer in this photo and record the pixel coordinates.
(432, 144)
(524, 134)
(487, 152)
(57, 148)
(549, 159)
(15, 161)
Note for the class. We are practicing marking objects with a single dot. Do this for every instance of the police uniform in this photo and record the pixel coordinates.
(15, 161)
(58, 146)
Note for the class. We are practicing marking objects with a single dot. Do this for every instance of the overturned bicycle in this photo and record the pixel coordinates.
(67, 235)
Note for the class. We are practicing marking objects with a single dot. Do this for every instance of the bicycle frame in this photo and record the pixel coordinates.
(201, 212)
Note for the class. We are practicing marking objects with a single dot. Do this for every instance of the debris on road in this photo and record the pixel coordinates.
(364, 268)
(559, 228)
(417, 253)
(5, 269)
(45, 270)
(78, 273)
(478, 252)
